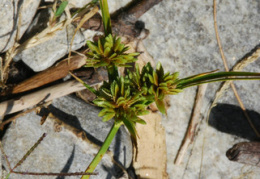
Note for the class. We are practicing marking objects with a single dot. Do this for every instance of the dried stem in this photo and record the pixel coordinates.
(249, 58)
(5, 156)
(43, 173)
(55, 174)
(83, 20)
(194, 121)
(29, 151)
(15, 117)
(45, 95)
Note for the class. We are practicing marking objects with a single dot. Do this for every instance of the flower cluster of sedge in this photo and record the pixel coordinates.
(125, 98)
(108, 51)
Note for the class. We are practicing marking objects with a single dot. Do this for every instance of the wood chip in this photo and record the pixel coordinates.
(150, 157)
(245, 152)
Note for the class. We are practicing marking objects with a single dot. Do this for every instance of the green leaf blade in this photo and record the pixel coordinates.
(61, 8)
(160, 105)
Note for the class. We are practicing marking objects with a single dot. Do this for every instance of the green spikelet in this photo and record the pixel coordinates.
(108, 51)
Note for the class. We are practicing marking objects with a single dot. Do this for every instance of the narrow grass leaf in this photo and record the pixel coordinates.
(61, 8)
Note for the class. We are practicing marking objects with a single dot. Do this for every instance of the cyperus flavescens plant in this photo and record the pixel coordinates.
(125, 98)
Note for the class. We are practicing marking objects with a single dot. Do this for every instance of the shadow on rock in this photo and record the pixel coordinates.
(230, 119)
(68, 164)
(70, 120)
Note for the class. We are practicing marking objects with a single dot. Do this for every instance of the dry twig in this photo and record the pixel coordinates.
(194, 121)
(83, 20)
(245, 152)
(15, 117)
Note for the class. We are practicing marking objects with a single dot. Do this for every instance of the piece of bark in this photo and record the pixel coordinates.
(60, 70)
(125, 20)
(245, 152)
(150, 158)
(136, 9)
(86, 95)
(49, 93)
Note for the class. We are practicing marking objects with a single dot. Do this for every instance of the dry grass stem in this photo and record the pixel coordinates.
(37, 108)
(55, 174)
(2, 124)
(238, 67)
(82, 21)
(5, 156)
(29, 151)
(194, 121)
(252, 57)
(11, 52)
(44, 95)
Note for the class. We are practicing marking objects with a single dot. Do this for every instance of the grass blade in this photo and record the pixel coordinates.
(105, 17)
(215, 77)
(61, 9)
(85, 84)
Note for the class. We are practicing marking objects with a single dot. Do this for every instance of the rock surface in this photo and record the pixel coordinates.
(62, 150)
(45, 53)
(9, 20)
(113, 4)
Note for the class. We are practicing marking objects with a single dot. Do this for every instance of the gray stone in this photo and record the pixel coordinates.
(113, 4)
(182, 37)
(62, 151)
(9, 20)
(44, 54)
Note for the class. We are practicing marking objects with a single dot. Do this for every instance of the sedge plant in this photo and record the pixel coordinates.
(125, 98)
